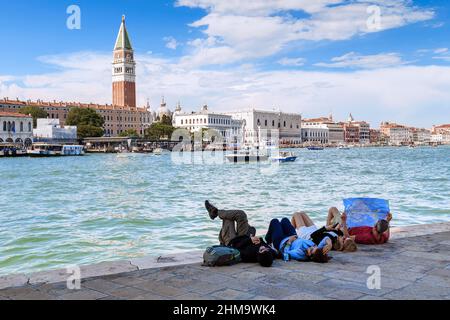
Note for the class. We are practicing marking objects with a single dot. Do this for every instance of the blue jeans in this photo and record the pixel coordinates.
(279, 231)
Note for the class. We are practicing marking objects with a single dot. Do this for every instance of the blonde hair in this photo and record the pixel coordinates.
(349, 245)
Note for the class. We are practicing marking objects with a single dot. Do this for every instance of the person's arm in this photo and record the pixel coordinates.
(344, 225)
(325, 245)
(296, 254)
(242, 242)
(318, 232)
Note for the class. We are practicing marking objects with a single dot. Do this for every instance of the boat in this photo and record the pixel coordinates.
(54, 150)
(11, 150)
(284, 157)
(343, 148)
(315, 148)
(246, 156)
(157, 151)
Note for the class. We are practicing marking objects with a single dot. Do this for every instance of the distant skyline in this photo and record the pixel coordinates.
(311, 57)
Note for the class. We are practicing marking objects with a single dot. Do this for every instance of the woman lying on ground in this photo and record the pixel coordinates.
(336, 230)
(282, 236)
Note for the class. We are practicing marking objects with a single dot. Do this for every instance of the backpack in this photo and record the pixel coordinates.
(217, 256)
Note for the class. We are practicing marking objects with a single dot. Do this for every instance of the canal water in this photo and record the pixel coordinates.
(82, 210)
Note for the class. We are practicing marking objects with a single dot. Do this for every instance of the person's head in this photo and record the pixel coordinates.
(264, 256)
(338, 245)
(381, 226)
(319, 257)
(349, 245)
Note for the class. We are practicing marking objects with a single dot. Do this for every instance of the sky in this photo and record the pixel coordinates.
(381, 60)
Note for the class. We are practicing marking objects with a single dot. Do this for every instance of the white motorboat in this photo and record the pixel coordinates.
(246, 156)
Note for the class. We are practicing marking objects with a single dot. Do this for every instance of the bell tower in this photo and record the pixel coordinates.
(124, 70)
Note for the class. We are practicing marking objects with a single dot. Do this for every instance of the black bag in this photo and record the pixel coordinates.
(217, 256)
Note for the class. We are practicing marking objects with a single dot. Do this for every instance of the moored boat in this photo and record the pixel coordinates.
(54, 150)
(315, 148)
(11, 150)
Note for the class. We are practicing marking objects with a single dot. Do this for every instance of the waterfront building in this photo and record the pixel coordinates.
(51, 130)
(289, 126)
(356, 131)
(333, 135)
(397, 134)
(439, 138)
(205, 119)
(420, 136)
(375, 136)
(16, 128)
(119, 116)
(443, 129)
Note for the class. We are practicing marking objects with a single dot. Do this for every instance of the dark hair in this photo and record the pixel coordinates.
(382, 226)
(265, 259)
(319, 257)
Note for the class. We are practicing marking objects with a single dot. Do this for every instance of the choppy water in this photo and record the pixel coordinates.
(60, 211)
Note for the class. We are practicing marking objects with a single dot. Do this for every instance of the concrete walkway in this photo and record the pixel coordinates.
(415, 264)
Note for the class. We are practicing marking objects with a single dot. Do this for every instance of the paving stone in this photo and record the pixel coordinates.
(250, 275)
(127, 292)
(100, 285)
(83, 294)
(276, 292)
(13, 281)
(303, 296)
(345, 295)
(202, 287)
(354, 286)
(149, 296)
(230, 294)
(161, 289)
(433, 280)
(418, 291)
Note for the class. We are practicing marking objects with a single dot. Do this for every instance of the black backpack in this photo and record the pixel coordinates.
(217, 256)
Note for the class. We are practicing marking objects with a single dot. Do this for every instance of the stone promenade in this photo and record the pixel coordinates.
(415, 264)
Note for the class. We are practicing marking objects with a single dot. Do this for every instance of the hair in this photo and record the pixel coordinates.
(319, 257)
(337, 245)
(349, 245)
(382, 226)
(265, 259)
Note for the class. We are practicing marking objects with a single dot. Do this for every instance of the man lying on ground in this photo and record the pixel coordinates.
(338, 233)
(238, 234)
(378, 234)
(283, 237)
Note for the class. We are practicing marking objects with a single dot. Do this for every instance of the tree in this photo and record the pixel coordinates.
(158, 131)
(166, 120)
(89, 123)
(84, 116)
(131, 133)
(36, 113)
(85, 131)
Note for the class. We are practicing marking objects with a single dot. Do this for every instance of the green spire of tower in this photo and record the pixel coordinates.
(123, 40)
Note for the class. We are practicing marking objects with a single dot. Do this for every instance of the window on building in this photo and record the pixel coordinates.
(265, 123)
(4, 125)
(21, 126)
(273, 123)
(29, 127)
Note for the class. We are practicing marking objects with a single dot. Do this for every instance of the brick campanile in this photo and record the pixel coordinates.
(124, 70)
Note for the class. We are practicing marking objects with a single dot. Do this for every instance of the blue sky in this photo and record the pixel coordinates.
(313, 57)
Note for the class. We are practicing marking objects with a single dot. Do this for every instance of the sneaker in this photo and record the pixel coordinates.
(213, 211)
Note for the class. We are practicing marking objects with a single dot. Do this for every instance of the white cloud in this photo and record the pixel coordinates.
(171, 43)
(292, 62)
(354, 60)
(417, 95)
(240, 30)
(441, 50)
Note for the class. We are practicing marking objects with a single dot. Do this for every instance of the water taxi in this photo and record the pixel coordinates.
(54, 150)
(284, 157)
(11, 150)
